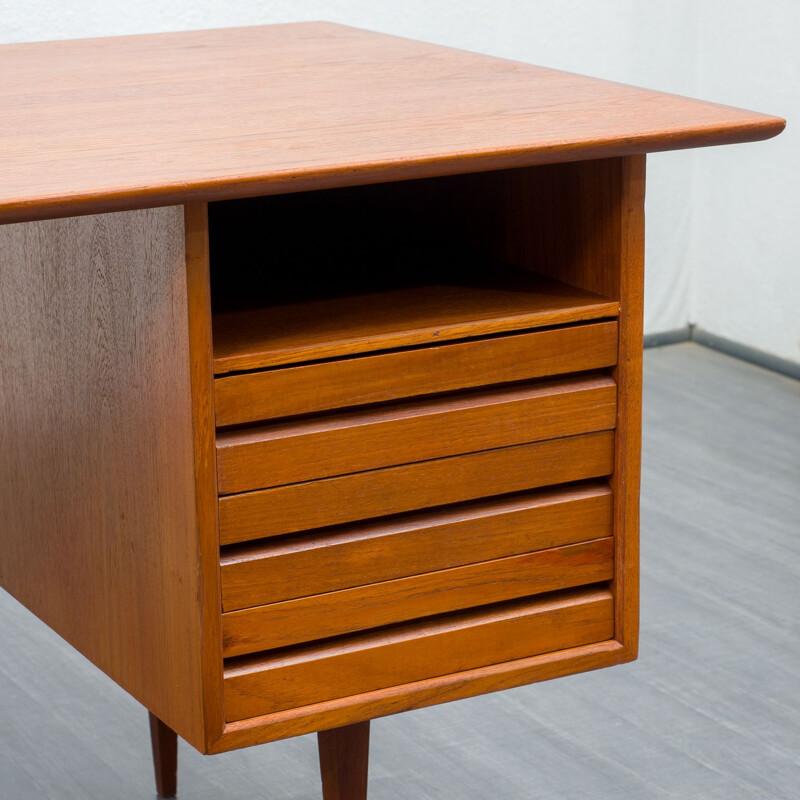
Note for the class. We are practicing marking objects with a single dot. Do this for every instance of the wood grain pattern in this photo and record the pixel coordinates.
(335, 327)
(97, 485)
(309, 674)
(628, 443)
(356, 555)
(344, 762)
(377, 493)
(350, 610)
(391, 376)
(178, 117)
(355, 441)
(201, 376)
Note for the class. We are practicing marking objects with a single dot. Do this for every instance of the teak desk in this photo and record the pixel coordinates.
(320, 371)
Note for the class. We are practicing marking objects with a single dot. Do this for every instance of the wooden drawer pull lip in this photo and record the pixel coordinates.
(284, 453)
(385, 550)
(416, 597)
(399, 489)
(391, 376)
(307, 674)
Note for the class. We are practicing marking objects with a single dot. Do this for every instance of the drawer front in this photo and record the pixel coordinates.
(296, 677)
(311, 388)
(319, 562)
(349, 610)
(290, 452)
(333, 501)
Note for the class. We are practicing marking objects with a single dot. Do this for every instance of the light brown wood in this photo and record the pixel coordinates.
(628, 373)
(205, 466)
(350, 610)
(344, 762)
(408, 373)
(256, 574)
(336, 327)
(582, 223)
(178, 117)
(333, 501)
(600, 249)
(164, 743)
(456, 642)
(290, 452)
(97, 484)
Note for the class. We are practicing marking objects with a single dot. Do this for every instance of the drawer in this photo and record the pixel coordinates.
(355, 441)
(394, 490)
(318, 562)
(434, 305)
(410, 652)
(349, 610)
(311, 388)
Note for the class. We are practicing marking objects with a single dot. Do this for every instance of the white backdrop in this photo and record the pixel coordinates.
(722, 223)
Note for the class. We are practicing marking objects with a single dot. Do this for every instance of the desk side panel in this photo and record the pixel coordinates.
(97, 485)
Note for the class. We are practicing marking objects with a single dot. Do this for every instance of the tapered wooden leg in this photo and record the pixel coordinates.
(165, 757)
(344, 762)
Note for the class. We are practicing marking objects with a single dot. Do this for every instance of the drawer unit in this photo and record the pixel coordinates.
(412, 483)
(391, 515)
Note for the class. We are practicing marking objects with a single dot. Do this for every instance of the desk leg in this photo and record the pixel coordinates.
(165, 757)
(343, 762)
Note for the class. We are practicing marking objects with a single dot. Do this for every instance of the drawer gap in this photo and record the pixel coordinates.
(347, 611)
(366, 554)
(392, 407)
(255, 548)
(416, 487)
(457, 642)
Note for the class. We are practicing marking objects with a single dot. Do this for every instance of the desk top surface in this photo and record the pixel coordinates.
(104, 124)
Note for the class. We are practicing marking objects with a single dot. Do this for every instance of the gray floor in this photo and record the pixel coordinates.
(711, 709)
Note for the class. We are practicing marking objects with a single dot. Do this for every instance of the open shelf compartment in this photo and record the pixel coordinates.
(335, 273)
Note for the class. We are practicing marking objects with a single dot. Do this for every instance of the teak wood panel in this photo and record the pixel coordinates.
(385, 549)
(99, 498)
(628, 372)
(410, 652)
(349, 610)
(407, 373)
(205, 465)
(283, 108)
(342, 326)
(355, 441)
(377, 493)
